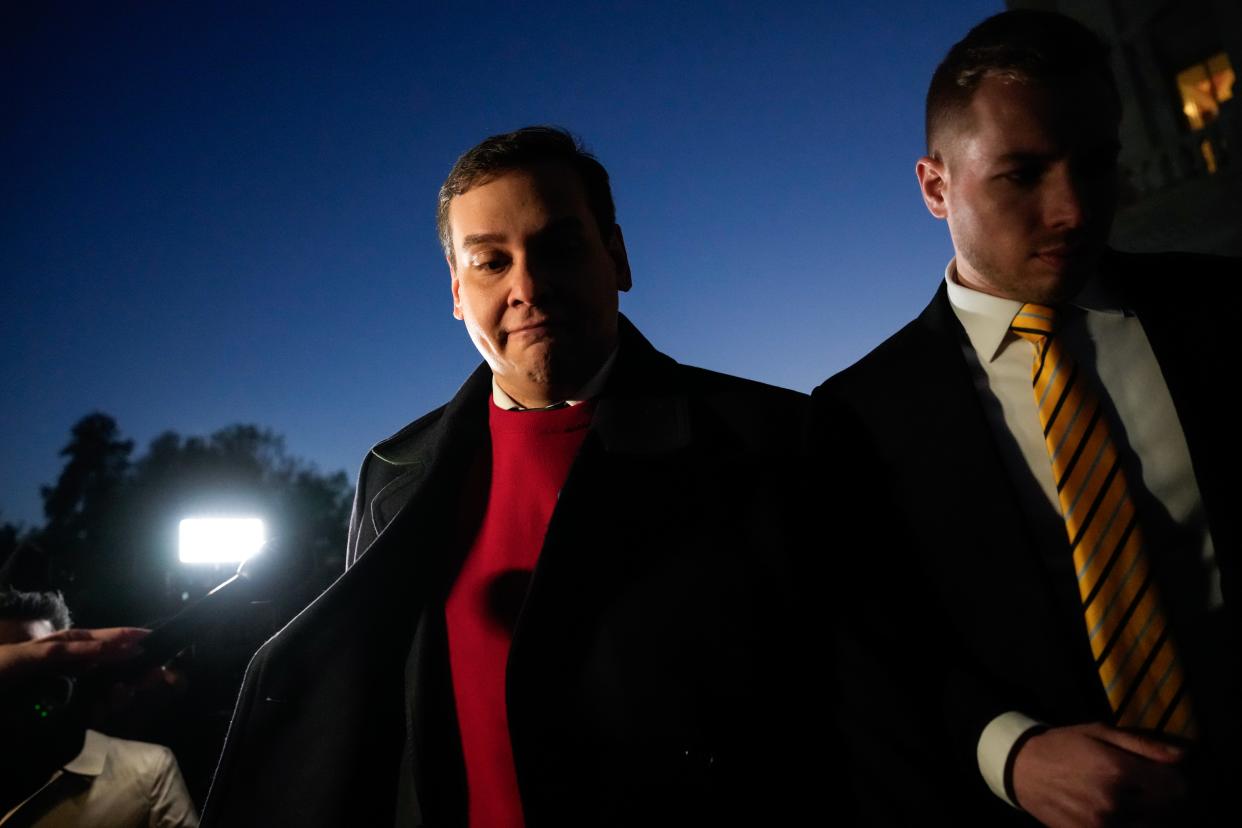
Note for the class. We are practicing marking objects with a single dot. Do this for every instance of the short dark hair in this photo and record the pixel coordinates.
(34, 606)
(1023, 44)
(520, 150)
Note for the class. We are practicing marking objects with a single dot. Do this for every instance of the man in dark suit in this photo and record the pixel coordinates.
(1045, 475)
(565, 599)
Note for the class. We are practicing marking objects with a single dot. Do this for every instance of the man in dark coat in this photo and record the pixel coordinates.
(1045, 474)
(566, 598)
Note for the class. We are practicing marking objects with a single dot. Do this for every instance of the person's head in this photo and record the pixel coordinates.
(42, 729)
(25, 616)
(1022, 121)
(536, 259)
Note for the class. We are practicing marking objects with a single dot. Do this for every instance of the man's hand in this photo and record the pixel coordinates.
(68, 651)
(1094, 774)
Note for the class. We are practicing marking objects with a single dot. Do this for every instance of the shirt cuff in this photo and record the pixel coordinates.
(996, 743)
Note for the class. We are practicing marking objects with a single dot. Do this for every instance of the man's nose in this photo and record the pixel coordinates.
(1064, 199)
(528, 282)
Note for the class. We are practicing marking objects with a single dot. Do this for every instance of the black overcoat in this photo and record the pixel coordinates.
(657, 669)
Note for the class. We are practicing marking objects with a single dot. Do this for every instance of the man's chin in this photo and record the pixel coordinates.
(1059, 280)
(563, 370)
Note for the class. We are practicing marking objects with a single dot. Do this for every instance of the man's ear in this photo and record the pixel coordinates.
(456, 287)
(933, 180)
(620, 259)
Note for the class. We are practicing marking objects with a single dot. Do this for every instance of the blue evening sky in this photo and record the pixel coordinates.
(223, 212)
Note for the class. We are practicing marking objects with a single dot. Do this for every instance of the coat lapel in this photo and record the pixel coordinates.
(980, 504)
(995, 570)
(446, 449)
(642, 409)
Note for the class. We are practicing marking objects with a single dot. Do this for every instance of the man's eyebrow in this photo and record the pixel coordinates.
(1034, 157)
(564, 224)
(482, 238)
(561, 225)
(1026, 157)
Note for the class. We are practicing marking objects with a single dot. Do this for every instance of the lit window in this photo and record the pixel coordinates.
(1204, 87)
(1209, 156)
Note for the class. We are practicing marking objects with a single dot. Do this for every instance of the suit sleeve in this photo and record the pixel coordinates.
(909, 706)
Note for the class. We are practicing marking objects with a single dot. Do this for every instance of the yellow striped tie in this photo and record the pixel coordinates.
(1130, 639)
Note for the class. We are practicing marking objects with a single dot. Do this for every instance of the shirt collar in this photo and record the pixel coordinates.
(987, 318)
(591, 389)
(90, 762)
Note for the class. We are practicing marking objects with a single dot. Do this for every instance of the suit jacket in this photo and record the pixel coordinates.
(973, 628)
(111, 782)
(653, 675)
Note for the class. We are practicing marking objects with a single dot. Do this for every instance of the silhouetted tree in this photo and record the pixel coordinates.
(10, 537)
(81, 507)
(97, 463)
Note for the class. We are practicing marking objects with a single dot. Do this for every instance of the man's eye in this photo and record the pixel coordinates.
(493, 264)
(1023, 176)
(563, 245)
(564, 251)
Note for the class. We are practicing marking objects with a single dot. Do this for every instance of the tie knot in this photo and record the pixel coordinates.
(1034, 321)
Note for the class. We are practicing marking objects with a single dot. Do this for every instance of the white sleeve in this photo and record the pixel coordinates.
(996, 743)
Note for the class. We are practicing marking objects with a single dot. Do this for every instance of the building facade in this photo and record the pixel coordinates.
(1181, 130)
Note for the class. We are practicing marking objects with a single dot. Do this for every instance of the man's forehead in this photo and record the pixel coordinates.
(551, 194)
(550, 181)
(550, 185)
(1008, 112)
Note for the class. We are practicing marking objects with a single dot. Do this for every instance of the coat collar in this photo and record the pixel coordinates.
(90, 762)
(415, 453)
(641, 409)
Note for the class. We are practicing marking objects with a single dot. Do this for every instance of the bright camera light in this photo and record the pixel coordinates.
(220, 540)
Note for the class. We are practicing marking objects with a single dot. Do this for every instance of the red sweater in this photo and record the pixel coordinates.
(531, 455)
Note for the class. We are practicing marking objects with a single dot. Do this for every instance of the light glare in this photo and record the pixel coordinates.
(219, 540)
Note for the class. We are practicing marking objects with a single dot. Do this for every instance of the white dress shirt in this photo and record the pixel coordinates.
(1111, 348)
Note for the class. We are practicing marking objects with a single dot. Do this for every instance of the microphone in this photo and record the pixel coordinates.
(45, 702)
(258, 578)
